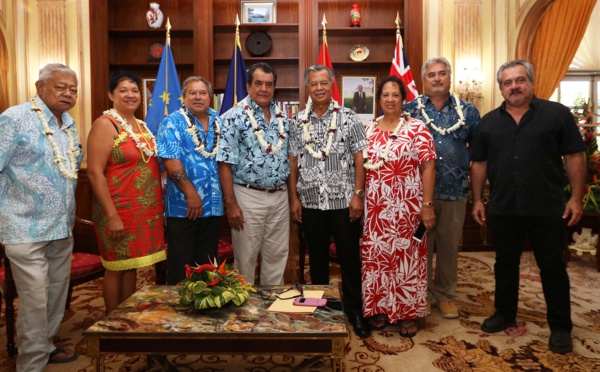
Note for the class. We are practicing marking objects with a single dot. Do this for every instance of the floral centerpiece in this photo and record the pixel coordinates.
(209, 286)
(584, 114)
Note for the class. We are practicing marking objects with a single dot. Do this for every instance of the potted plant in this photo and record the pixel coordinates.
(584, 115)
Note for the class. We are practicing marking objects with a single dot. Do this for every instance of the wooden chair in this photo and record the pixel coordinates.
(85, 266)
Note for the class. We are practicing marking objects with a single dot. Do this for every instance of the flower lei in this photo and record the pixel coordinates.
(269, 148)
(429, 121)
(384, 156)
(192, 130)
(308, 143)
(72, 152)
(127, 128)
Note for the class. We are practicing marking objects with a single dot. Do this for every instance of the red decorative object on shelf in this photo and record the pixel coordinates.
(355, 16)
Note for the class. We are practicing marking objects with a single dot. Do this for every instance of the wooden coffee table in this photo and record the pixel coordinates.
(152, 322)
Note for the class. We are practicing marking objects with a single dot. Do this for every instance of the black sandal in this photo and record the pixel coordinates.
(57, 351)
(378, 322)
(405, 325)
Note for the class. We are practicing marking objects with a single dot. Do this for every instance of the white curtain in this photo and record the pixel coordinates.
(588, 54)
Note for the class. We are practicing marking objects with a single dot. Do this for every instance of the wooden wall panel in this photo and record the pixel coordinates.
(53, 30)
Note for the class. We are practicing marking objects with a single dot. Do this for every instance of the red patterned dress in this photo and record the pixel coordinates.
(136, 191)
(394, 265)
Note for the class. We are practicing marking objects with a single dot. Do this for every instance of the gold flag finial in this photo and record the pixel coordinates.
(168, 31)
(398, 22)
(324, 23)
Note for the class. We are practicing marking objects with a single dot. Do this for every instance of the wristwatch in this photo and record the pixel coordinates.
(360, 193)
(427, 204)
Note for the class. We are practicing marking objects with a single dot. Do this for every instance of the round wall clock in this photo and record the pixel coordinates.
(258, 43)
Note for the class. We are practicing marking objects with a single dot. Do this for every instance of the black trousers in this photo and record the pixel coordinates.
(318, 225)
(190, 242)
(546, 235)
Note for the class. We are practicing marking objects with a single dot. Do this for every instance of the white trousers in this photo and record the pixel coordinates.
(266, 231)
(41, 272)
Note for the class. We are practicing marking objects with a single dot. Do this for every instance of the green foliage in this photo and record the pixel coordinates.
(583, 114)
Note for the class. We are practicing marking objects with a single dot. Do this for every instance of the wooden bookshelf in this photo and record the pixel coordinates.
(121, 39)
(202, 39)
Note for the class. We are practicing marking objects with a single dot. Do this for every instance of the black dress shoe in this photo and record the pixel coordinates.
(497, 323)
(560, 342)
(360, 325)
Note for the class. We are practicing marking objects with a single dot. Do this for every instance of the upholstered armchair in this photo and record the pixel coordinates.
(85, 266)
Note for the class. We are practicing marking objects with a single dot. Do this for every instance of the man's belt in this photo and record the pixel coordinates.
(265, 189)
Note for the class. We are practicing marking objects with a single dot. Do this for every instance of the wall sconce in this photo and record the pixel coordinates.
(470, 86)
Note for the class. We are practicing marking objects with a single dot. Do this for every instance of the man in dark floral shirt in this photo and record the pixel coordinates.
(452, 123)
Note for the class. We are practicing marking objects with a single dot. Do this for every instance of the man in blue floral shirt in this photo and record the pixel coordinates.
(253, 166)
(187, 145)
(40, 156)
(452, 123)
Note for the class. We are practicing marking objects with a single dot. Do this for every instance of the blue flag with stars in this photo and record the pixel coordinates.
(166, 95)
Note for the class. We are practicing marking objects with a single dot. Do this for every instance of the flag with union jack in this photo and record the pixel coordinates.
(401, 69)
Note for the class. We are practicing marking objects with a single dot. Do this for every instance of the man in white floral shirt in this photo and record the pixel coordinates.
(40, 156)
(326, 186)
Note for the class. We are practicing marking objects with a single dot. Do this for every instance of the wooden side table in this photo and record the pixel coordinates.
(591, 220)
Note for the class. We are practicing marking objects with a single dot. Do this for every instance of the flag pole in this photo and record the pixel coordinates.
(235, 49)
(398, 23)
(324, 23)
(168, 43)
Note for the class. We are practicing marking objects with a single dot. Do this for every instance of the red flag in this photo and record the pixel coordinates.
(325, 60)
(401, 69)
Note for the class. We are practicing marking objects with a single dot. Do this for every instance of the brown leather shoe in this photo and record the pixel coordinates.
(448, 309)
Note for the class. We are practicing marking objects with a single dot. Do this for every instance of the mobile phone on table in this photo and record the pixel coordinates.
(420, 232)
(306, 301)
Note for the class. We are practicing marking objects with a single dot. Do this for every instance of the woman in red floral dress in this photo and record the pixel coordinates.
(128, 209)
(400, 178)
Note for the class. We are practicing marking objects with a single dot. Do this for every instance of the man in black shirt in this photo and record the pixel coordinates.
(520, 147)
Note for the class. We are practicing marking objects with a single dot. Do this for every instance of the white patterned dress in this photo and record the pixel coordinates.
(394, 265)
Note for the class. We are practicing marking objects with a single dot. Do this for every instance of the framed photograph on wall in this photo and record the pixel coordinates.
(147, 88)
(259, 11)
(358, 94)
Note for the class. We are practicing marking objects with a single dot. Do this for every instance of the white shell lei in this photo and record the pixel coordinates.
(192, 129)
(308, 143)
(72, 152)
(269, 148)
(429, 121)
(384, 156)
(127, 128)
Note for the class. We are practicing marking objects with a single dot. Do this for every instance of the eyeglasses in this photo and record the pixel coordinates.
(267, 294)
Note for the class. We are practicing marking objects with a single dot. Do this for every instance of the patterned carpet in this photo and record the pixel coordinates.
(440, 345)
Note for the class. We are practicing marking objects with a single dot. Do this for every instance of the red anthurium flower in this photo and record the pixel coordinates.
(214, 282)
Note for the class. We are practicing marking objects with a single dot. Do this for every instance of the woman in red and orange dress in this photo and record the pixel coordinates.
(400, 179)
(124, 172)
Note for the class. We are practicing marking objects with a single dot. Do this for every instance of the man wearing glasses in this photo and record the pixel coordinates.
(326, 187)
(253, 167)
